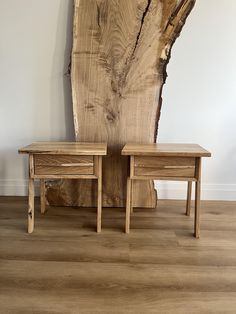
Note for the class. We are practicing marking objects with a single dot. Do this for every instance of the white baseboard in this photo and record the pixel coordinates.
(178, 190)
(16, 187)
(166, 190)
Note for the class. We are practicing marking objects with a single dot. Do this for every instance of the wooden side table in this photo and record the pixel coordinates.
(63, 160)
(172, 162)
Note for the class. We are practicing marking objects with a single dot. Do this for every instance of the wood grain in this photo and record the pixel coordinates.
(31, 195)
(187, 172)
(99, 197)
(189, 196)
(65, 148)
(62, 160)
(120, 52)
(128, 205)
(161, 162)
(64, 170)
(166, 162)
(42, 196)
(31, 206)
(197, 199)
(164, 166)
(64, 266)
(165, 150)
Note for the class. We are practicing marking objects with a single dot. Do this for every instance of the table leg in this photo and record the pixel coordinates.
(128, 203)
(42, 196)
(99, 204)
(197, 198)
(131, 175)
(31, 206)
(197, 209)
(189, 195)
(131, 199)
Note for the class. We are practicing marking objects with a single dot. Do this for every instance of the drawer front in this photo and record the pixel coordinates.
(63, 164)
(164, 166)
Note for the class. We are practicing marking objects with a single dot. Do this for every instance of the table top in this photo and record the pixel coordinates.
(165, 149)
(65, 148)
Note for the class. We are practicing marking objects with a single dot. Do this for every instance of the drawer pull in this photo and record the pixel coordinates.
(179, 167)
(77, 165)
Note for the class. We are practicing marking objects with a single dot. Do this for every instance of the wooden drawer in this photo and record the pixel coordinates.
(164, 166)
(63, 165)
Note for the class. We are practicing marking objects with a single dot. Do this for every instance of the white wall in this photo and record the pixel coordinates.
(35, 96)
(199, 97)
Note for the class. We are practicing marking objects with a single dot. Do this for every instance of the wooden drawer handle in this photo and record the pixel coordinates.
(78, 165)
(179, 167)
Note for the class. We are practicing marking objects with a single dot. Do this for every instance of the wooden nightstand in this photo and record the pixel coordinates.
(63, 160)
(172, 162)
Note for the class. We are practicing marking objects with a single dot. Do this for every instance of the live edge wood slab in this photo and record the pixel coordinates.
(57, 160)
(118, 67)
(172, 162)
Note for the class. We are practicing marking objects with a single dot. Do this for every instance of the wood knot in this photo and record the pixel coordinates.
(111, 116)
(90, 107)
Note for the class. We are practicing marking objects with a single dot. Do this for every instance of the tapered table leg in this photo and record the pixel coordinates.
(197, 199)
(189, 195)
(128, 203)
(31, 206)
(131, 199)
(99, 204)
(197, 210)
(42, 196)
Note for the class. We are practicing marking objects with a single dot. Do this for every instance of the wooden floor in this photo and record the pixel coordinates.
(65, 267)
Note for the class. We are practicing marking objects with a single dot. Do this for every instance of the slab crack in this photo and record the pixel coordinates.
(98, 15)
(123, 76)
(141, 26)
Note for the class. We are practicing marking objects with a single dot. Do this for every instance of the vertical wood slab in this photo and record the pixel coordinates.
(120, 52)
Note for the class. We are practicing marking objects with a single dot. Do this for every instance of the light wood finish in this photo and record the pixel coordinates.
(164, 166)
(31, 165)
(165, 149)
(189, 197)
(65, 176)
(119, 58)
(128, 205)
(163, 162)
(197, 200)
(167, 178)
(99, 207)
(31, 206)
(42, 196)
(64, 170)
(65, 267)
(131, 198)
(172, 162)
(62, 160)
(132, 185)
(31, 195)
(186, 172)
(65, 148)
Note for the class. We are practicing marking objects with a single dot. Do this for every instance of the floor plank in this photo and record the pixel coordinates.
(66, 267)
